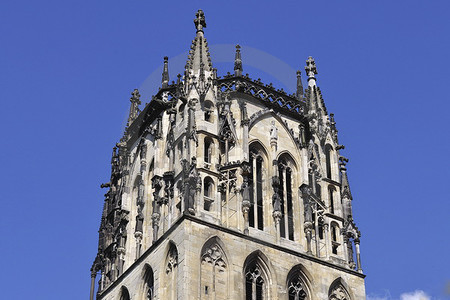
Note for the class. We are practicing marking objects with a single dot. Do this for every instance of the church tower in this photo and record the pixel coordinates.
(228, 188)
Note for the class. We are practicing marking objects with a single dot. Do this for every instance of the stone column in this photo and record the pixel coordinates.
(316, 233)
(327, 241)
(254, 201)
(93, 275)
(346, 254)
(358, 256)
(285, 219)
(246, 204)
(102, 281)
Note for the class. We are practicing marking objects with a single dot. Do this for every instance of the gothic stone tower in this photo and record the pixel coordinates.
(227, 188)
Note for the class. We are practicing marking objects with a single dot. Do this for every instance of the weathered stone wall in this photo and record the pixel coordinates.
(190, 236)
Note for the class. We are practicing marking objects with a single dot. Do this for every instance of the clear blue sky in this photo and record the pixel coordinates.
(67, 69)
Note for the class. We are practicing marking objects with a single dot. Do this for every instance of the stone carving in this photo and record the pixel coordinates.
(273, 131)
(172, 260)
(296, 290)
(214, 255)
(339, 293)
(199, 21)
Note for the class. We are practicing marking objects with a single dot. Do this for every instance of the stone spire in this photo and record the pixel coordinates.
(165, 74)
(346, 195)
(299, 93)
(199, 60)
(311, 71)
(238, 62)
(134, 107)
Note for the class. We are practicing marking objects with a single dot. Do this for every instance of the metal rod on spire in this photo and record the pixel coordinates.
(165, 74)
(238, 62)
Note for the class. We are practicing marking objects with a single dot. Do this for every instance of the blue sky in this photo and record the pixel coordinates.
(67, 69)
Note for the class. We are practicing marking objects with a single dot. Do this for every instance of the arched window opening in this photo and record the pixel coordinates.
(328, 150)
(207, 153)
(320, 228)
(259, 196)
(208, 198)
(149, 291)
(338, 291)
(209, 111)
(334, 239)
(171, 270)
(285, 174)
(290, 211)
(281, 168)
(256, 278)
(330, 198)
(214, 271)
(296, 285)
(124, 294)
(256, 213)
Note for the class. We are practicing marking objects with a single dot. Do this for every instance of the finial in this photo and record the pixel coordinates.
(299, 85)
(134, 108)
(311, 70)
(199, 21)
(165, 74)
(238, 62)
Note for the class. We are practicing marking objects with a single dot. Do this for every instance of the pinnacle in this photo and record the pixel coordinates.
(199, 60)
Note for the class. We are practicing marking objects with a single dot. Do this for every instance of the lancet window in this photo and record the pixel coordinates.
(209, 111)
(208, 152)
(124, 294)
(334, 238)
(214, 276)
(256, 279)
(208, 192)
(337, 291)
(171, 270)
(256, 182)
(296, 285)
(331, 199)
(256, 213)
(149, 289)
(328, 153)
(286, 173)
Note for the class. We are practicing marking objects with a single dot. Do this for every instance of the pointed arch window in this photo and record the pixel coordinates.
(331, 199)
(208, 151)
(208, 199)
(209, 111)
(256, 278)
(124, 294)
(256, 213)
(149, 289)
(213, 270)
(334, 238)
(338, 291)
(170, 284)
(328, 153)
(296, 285)
(285, 174)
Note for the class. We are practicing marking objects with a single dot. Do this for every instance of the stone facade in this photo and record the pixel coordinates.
(227, 188)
